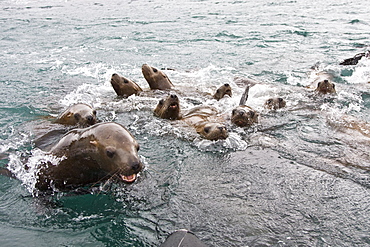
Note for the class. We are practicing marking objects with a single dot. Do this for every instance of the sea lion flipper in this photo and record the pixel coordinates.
(244, 96)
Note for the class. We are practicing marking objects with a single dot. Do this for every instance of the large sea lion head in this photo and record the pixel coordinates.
(156, 78)
(244, 116)
(168, 108)
(275, 103)
(114, 150)
(222, 91)
(213, 131)
(325, 87)
(79, 114)
(123, 86)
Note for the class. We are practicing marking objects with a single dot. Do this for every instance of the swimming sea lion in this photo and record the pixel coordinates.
(79, 114)
(222, 91)
(182, 238)
(156, 78)
(275, 103)
(243, 115)
(91, 155)
(123, 86)
(203, 119)
(168, 108)
(325, 87)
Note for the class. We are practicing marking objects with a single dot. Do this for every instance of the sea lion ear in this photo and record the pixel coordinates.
(94, 143)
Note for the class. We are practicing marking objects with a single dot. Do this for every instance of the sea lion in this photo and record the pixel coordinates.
(202, 118)
(354, 60)
(156, 78)
(325, 87)
(275, 103)
(91, 155)
(168, 108)
(243, 115)
(124, 87)
(182, 238)
(222, 91)
(79, 114)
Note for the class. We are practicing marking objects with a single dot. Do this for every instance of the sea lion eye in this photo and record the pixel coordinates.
(251, 113)
(155, 70)
(218, 91)
(94, 112)
(280, 99)
(125, 80)
(269, 101)
(110, 153)
(77, 116)
(207, 129)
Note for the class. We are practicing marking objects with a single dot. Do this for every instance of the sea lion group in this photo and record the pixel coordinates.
(94, 152)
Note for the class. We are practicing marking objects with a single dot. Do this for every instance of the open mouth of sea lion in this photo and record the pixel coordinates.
(240, 122)
(129, 178)
(174, 105)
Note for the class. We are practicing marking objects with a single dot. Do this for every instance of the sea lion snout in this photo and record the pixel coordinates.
(91, 119)
(136, 166)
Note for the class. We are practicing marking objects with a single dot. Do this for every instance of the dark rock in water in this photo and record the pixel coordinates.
(354, 60)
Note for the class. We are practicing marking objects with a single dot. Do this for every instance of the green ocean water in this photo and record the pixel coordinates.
(298, 178)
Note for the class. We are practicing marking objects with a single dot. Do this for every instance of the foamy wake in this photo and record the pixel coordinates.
(26, 171)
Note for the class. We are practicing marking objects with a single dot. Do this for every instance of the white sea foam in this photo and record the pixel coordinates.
(26, 170)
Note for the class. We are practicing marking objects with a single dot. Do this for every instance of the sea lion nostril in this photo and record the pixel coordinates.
(136, 166)
(114, 74)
